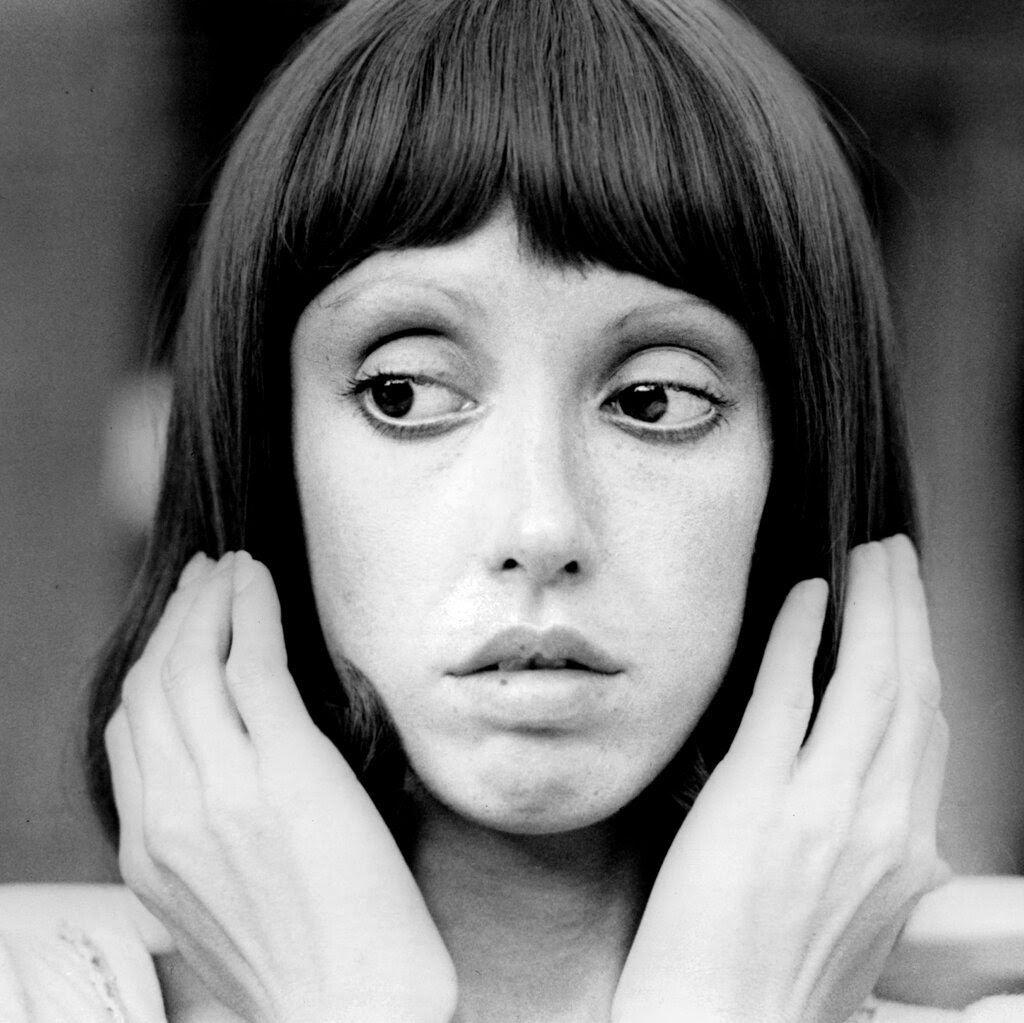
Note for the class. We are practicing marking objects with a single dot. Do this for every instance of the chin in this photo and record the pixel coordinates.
(536, 818)
(532, 801)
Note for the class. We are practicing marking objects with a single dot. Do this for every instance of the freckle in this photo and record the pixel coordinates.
(502, 681)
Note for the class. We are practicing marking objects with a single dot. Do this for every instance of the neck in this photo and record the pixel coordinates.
(538, 925)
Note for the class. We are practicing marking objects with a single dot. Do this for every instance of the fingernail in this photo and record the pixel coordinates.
(195, 567)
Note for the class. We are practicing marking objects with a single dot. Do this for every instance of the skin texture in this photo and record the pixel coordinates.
(534, 500)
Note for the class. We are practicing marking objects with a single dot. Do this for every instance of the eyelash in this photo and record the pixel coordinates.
(356, 387)
(719, 402)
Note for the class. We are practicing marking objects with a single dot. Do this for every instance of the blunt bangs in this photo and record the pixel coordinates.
(611, 141)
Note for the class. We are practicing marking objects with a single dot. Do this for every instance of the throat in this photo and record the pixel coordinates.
(538, 926)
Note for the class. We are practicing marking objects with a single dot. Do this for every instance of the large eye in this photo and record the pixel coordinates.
(410, 398)
(669, 405)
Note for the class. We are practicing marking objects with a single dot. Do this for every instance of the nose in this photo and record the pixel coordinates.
(541, 501)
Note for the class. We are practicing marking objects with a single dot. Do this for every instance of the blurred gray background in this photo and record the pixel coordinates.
(110, 114)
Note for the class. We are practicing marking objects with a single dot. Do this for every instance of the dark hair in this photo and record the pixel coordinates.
(660, 137)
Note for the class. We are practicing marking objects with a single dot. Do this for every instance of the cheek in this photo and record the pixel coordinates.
(679, 573)
(374, 552)
(683, 545)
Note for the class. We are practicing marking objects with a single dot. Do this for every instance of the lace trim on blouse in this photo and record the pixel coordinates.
(97, 969)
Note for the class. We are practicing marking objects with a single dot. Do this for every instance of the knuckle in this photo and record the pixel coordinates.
(177, 672)
(167, 835)
(285, 789)
(798, 699)
(240, 670)
(828, 808)
(884, 683)
(246, 669)
(227, 806)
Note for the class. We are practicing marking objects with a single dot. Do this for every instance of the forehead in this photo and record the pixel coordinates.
(493, 268)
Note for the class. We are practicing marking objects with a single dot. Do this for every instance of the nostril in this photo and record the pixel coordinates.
(570, 567)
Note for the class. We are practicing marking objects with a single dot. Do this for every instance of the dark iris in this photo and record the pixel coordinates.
(393, 396)
(646, 402)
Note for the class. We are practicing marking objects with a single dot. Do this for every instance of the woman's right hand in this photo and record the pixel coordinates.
(246, 833)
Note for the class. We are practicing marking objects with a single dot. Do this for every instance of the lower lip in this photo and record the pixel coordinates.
(541, 698)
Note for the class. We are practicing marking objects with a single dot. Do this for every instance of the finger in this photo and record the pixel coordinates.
(163, 759)
(775, 721)
(205, 623)
(198, 568)
(932, 774)
(861, 696)
(257, 670)
(160, 752)
(125, 779)
(898, 764)
(927, 793)
(920, 689)
(147, 668)
(193, 678)
(144, 802)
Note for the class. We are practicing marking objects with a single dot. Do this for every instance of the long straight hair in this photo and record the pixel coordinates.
(658, 137)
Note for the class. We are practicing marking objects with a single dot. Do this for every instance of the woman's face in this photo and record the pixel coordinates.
(530, 497)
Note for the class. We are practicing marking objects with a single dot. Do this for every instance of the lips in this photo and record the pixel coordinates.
(526, 649)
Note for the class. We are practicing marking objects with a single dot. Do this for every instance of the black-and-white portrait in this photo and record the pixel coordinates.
(512, 511)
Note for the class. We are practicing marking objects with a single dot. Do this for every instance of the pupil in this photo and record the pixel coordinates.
(393, 396)
(646, 402)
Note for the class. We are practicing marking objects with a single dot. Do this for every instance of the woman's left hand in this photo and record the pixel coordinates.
(789, 881)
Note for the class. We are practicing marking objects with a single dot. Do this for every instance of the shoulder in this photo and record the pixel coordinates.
(93, 952)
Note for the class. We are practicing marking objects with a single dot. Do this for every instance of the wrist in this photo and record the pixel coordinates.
(431, 1003)
(681, 1007)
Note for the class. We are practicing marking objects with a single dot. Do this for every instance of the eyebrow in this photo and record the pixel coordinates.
(718, 336)
(684, 303)
(351, 293)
